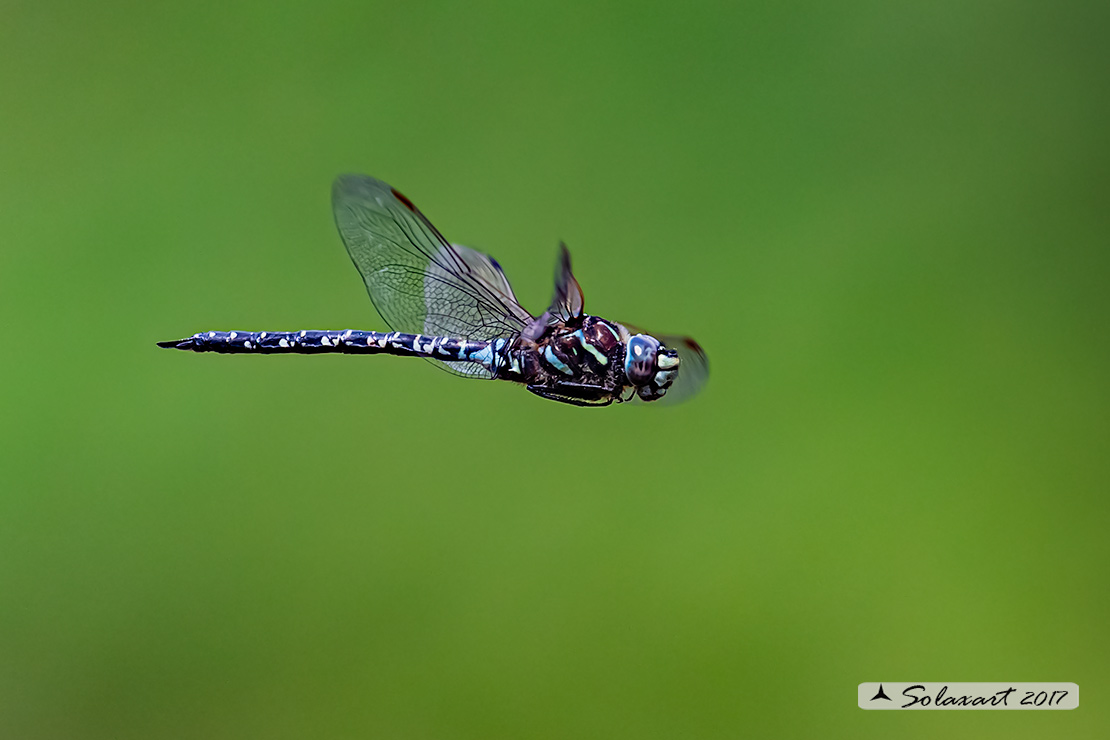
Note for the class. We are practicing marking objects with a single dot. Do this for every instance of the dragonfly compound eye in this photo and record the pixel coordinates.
(652, 379)
(639, 360)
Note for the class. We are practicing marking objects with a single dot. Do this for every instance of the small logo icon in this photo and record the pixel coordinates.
(881, 695)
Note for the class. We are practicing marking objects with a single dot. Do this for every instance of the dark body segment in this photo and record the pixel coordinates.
(348, 342)
(577, 362)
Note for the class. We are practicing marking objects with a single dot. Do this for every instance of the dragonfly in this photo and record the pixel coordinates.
(453, 305)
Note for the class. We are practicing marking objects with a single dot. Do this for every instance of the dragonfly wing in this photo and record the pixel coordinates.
(567, 303)
(417, 280)
(488, 271)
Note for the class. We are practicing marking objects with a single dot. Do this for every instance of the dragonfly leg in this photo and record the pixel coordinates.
(577, 394)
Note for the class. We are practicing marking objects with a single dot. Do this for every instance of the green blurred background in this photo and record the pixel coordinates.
(887, 224)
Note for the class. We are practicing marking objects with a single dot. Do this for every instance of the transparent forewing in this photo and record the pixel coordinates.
(693, 368)
(420, 283)
(483, 269)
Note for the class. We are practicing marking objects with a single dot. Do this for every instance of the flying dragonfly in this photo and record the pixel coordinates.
(454, 306)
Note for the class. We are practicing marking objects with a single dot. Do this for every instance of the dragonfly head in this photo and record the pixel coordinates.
(650, 366)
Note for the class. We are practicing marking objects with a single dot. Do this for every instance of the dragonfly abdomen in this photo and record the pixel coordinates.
(349, 342)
